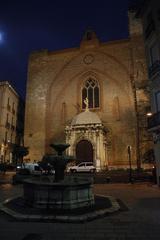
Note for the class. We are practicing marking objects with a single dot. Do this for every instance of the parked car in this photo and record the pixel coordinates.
(83, 167)
(33, 168)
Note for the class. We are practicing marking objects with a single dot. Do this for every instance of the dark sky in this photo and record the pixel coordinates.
(26, 26)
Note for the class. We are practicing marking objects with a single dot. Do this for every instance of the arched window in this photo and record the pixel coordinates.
(90, 90)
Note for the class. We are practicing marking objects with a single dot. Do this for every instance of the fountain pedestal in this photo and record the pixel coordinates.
(68, 194)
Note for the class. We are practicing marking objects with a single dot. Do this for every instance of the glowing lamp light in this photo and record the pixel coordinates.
(149, 114)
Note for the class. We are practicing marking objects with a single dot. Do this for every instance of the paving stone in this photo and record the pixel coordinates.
(138, 223)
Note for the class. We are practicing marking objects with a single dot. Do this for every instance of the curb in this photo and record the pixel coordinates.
(63, 218)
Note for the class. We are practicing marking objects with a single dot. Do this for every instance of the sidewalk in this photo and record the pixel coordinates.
(140, 222)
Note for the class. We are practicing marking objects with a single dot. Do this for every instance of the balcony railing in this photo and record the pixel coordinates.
(154, 121)
(155, 68)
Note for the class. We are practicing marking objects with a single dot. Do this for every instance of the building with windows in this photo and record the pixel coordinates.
(93, 97)
(149, 12)
(9, 120)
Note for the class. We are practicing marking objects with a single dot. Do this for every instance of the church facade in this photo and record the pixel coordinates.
(93, 97)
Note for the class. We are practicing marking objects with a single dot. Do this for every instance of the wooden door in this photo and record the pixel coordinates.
(84, 151)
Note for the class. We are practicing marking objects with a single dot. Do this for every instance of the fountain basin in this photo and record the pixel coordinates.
(67, 194)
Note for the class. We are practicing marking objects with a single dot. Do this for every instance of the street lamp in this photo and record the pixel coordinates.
(149, 114)
(130, 163)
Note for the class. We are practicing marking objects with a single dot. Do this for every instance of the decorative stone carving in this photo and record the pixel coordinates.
(88, 59)
(88, 126)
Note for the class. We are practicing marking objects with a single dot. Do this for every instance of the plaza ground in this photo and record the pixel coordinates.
(139, 219)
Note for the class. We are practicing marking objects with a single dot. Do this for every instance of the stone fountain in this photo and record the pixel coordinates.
(59, 198)
(61, 192)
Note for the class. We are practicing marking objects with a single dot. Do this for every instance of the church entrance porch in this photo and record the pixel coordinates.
(88, 139)
(84, 151)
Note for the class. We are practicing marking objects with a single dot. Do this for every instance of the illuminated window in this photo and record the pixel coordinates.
(90, 90)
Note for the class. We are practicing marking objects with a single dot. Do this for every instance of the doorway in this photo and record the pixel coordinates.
(84, 151)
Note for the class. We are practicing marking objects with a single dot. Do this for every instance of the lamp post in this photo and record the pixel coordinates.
(130, 163)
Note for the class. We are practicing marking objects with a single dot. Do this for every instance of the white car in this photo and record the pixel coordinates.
(83, 167)
(33, 168)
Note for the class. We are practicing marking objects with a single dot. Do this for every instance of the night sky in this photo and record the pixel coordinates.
(26, 26)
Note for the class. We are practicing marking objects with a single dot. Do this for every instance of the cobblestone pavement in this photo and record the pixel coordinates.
(141, 220)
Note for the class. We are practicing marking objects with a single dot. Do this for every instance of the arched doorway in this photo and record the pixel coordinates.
(84, 151)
